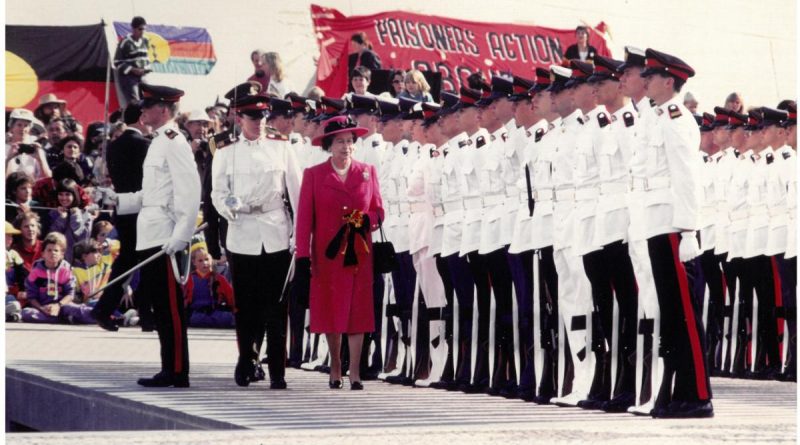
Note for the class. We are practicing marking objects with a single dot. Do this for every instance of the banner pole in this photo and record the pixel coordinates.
(107, 99)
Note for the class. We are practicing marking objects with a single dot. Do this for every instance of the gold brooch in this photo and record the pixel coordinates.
(365, 174)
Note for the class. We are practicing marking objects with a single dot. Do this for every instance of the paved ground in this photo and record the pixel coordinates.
(94, 360)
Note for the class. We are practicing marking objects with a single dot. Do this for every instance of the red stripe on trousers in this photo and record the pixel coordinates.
(776, 278)
(691, 325)
(177, 359)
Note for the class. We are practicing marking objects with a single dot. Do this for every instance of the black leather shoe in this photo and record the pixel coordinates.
(335, 384)
(278, 384)
(442, 384)
(685, 410)
(258, 373)
(162, 380)
(620, 403)
(356, 386)
(148, 327)
(475, 389)
(105, 322)
(244, 372)
(542, 399)
(591, 403)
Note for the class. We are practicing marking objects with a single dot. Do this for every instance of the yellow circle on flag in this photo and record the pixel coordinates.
(158, 51)
(21, 81)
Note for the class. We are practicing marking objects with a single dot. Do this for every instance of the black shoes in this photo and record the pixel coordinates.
(278, 384)
(356, 386)
(620, 403)
(684, 410)
(592, 403)
(335, 384)
(245, 372)
(105, 322)
(163, 380)
(258, 373)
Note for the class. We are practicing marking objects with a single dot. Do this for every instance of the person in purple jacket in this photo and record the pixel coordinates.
(50, 287)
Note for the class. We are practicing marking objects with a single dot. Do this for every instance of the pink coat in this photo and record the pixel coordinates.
(341, 297)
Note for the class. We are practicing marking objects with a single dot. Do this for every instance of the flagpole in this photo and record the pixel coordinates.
(107, 100)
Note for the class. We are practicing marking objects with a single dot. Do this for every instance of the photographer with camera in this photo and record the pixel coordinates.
(22, 152)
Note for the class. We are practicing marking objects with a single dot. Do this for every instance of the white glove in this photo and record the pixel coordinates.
(232, 206)
(109, 196)
(173, 246)
(689, 248)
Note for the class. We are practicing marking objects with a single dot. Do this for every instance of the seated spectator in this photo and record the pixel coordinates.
(259, 72)
(27, 243)
(359, 82)
(15, 277)
(72, 150)
(208, 295)
(91, 269)
(69, 219)
(398, 82)
(23, 153)
(581, 50)
(277, 81)
(19, 195)
(104, 235)
(50, 288)
(417, 87)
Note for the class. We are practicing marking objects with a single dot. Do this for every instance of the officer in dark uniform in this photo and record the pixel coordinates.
(125, 156)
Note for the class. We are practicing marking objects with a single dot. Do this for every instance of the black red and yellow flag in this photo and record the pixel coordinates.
(69, 61)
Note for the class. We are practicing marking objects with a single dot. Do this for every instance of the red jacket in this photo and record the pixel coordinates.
(341, 296)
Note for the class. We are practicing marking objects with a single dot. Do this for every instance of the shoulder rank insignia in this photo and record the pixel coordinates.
(602, 119)
(504, 136)
(786, 155)
(464, 143)
(528, 133)
(480, 142)
(736, 152)
(221, 140)
(706, 158)
(376, 144)
(580, 120)
(434, 153)
(277, 136)
(170, 133)
(770, 158)
(294, 140)
(445, 151)
(539, 134)
(627, 117)
(652, 103)
(492, 137)
(754, 158)
(674, 111)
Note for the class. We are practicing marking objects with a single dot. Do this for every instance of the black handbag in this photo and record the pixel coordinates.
(384, 258)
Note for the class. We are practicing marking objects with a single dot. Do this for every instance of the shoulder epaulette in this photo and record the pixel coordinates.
(445, 151)
(504, 136)
(221, 140)
(464, 143)
(627, 117)
(170, 133)
(277, 136)
(480, 142)
(787, 155)
(580, 120)
(770, 158)
(539, 134)
(674, 111)
(376, 144)
(652, 103)
(434, 153)
(602, 120)
(736, 152)
(492, 137)
(706, 158)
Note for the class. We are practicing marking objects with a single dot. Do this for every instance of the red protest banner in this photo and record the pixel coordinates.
(454, 48)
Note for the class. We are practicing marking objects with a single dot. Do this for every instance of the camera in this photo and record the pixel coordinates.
(27, 149)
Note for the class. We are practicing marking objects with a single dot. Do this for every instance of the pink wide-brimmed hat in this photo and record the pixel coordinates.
(339, 124)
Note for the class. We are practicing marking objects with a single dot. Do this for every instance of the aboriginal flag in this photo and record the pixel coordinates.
(68, 61)
(176, 49)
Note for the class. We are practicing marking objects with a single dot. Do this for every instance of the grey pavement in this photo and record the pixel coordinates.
(100, 369)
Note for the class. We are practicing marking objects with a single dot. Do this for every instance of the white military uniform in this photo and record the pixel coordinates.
(541, 161)
(491, 174)
(524, 145)
(452, 190)
(261, 173)
(473, 201)
(169, 200)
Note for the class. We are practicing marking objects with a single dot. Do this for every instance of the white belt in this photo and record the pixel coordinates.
(658, 182)
(474, 202)
(260, 208)
(452, 206)
(419, 207)
(738, 214)
(777, 211)
(543, 195)
(512, 192)
(586, 193)
(565, 195)
(493, 200)
(612, 188)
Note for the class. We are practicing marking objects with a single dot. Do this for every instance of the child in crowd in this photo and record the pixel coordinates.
(15, 277)
(50, 287)
(91, 269)
(208, 295)
(103, 234)
(19, 195)
(68, 218)
(27, 243)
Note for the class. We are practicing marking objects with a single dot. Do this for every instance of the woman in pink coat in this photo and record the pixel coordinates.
(340, 205)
